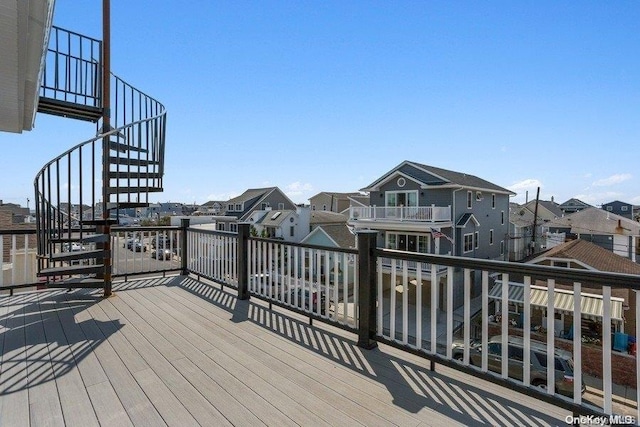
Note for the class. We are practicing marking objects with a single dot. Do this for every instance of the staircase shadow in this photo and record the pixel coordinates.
(45, 335)
(413, 386)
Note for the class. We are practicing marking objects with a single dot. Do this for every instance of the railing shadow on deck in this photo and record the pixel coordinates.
(41, 339)
(413, 387)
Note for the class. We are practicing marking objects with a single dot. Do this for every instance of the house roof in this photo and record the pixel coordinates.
(464, 220)
(256, 196)
(592, 255)
(597, 221)
(251, 194)
(552, 207)
(520, 215)
(327, 217)
(213, 202)
(573, 202)
(338, 233)
(274, 218)
(433, 176)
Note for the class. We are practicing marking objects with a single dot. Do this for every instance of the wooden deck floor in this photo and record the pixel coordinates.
(178, 352)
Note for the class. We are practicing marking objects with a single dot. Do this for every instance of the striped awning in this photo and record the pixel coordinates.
(591, 305)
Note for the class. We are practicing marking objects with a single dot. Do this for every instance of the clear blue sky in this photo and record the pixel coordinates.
(317, 96)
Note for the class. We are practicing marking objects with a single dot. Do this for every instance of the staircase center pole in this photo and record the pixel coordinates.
(106, 127)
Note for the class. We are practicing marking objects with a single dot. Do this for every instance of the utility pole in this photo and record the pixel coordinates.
(535, 221)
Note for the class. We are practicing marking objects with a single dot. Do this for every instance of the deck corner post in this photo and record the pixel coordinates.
(243, 246)
(184, 225)
(366, 241)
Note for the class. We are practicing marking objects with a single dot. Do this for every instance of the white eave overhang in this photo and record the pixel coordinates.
(24, 34)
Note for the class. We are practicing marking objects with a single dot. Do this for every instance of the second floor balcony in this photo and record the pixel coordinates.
(431, 214)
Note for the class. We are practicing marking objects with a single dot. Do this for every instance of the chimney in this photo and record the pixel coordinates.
(551, 199)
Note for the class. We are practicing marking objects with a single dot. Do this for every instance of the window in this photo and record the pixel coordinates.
(313, 207)
(468, 242)
(502, 217)
(292, 231)
(493, 201)
(516, 353)
(477, 239)
(501, 247)
(238, 207)
(230, 207)
(610, 208)
(233, 227)
(469, 199)
(264, 206)
(494, 348)
(324, 207)
(491, 236)
(401, 198)
(623, 208)
(281, 206)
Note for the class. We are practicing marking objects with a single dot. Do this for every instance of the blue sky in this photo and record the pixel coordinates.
(317, 96)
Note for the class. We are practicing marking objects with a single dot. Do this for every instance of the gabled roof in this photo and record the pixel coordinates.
(549, 205)
(430, 176)
(274, 218)
(520, 216)
(591, 255)
(327, 217)
(253, 197)
(573, 203)
(213, 202)
(597, 221)
(337, 233)
(464, 220)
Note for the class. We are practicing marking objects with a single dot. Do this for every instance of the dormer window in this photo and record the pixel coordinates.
(230, 207)
(238, 207)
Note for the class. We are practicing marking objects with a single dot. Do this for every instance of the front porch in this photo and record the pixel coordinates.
(178, 351)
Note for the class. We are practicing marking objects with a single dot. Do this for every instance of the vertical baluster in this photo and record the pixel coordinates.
(551, 373)
(526, 357)
(485, 319)
(504, 311)
(418, 343)
(449, 312)
(392, 301)
(467, 315)
(434, 308)
(405, 302)
(577, 343)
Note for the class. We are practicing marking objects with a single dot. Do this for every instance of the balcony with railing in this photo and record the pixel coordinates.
(199, 325)
(421, 214)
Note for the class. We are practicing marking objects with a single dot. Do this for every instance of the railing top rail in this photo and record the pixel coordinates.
(213, 232)
(302, 245)
(55, 27)
(602, 278)
(146, 228)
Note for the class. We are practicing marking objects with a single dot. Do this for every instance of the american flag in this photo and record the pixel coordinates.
(435, 233)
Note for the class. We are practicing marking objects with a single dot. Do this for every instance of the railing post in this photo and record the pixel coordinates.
(184, 225)
(367, 289)
(243, 262)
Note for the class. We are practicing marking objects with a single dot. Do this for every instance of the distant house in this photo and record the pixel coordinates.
(615, 233)
(287, 225)
(332, 235)
(548, 210)
(241, 208)
(584, 255)
(619, 208)
(212, 207)
(573, 205)
(425, 209)
(521, 223)
(333, 202)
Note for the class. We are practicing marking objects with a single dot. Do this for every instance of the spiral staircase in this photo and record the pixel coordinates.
(80, 194)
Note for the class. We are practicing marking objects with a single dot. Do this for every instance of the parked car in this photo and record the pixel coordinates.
(128, 243)
(308, 300)
(72, 247)
(538, 372)
(161, 254)
(138, 246)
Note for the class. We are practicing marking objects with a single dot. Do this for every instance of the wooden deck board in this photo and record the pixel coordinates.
(310, 392)
(14, 408)
(266, 388)
(201, 410)
(74, 399)
(180, 352)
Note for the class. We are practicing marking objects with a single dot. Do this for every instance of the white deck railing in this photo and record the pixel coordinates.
(394, 213)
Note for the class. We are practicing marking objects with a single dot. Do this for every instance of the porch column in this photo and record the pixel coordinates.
(367, 289)
(242, 261)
